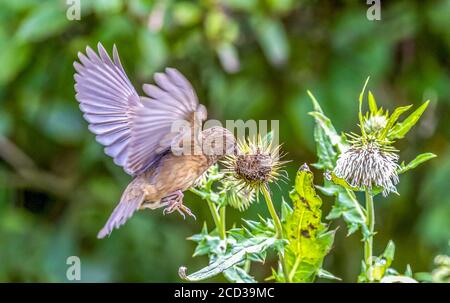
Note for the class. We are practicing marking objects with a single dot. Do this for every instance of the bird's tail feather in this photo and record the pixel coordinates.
(129, 203)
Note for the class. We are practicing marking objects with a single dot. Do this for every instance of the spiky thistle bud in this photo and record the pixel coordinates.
(255, 164)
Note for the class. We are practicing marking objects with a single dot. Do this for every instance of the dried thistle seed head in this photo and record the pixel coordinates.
(369, 164)
(255, 164)
(254, 168)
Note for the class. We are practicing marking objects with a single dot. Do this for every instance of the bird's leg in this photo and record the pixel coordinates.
(174, 202)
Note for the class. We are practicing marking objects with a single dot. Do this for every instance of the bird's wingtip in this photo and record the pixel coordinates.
(103, 233)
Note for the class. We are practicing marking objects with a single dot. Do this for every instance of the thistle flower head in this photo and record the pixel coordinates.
(369, 163)
(255, 164)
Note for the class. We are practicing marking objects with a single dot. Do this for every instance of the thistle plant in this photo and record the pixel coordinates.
(299, 238)
(366, 162)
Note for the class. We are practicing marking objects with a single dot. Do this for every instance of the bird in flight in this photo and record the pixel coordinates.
(156, 138)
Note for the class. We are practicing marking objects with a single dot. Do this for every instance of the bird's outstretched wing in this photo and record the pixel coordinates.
(134, 130)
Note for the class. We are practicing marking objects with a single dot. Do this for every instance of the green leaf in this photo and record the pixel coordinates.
(272, 38)
(372, 103)
(346, 206)
(322, 273)
(389, 252)
(401, 129)
(361, 96)
(325, 124)
(393, 118)
(44, 21)
(382, 263)
(331, 176)
(13, 58)
(236, 256)
(186, 13)
(416, 162)
(326, 137)
(236, 274)
(309, 241)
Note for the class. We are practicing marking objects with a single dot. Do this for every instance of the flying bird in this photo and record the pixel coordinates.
(144, 134)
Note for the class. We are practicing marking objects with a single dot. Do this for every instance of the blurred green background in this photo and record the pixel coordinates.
(247, 59)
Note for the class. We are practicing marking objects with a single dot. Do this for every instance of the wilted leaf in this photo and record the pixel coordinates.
(309, 241)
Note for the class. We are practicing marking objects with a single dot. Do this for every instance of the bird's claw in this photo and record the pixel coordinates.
(176, 204)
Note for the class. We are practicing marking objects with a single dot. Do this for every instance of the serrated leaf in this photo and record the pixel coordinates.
(309, 242)
(237, 255)
(347, 206)
(328, 142)
(416, 162)
(236, 274)
(401, 129)
(325, 123)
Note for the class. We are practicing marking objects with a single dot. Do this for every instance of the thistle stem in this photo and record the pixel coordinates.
(223, 229)
(219, 220)
(368, 243)
(278, 227)
(272, 211)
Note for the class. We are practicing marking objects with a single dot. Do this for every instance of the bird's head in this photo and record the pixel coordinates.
(217, 142)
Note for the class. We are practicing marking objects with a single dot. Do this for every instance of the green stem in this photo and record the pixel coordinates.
(278, 226)
(223, 228)
(272, 211)
(368, 243)
(217, 218)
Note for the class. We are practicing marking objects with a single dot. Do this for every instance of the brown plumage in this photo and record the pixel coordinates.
(157, 138)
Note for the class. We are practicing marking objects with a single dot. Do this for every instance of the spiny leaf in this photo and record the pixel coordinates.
(328, 142)
(402, 128)
(325, 123)
(346, 206)
(222, 263)
(309, 242)
(236, 274)
(416, 162)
